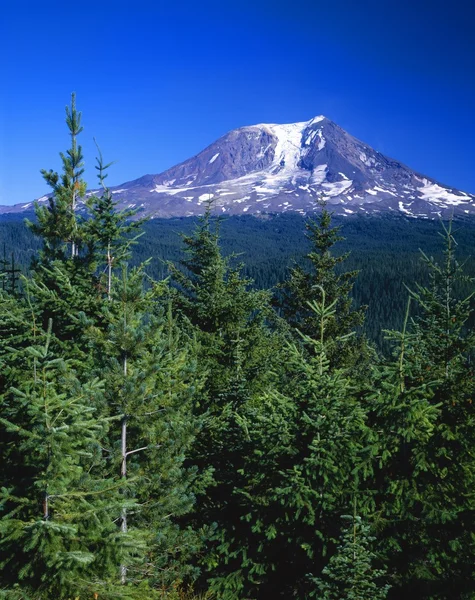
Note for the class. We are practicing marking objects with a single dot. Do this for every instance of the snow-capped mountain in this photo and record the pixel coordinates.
(270, 168)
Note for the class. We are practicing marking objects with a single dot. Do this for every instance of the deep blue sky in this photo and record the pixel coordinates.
(159, 81)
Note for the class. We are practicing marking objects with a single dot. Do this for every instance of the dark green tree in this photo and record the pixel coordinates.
(57, 532)
(57, 223)
(307, 446)
(323, 270)
(236, 353)
(149, 373)
(423, 406)
(350, 573)
(228, 315)
(64, 281)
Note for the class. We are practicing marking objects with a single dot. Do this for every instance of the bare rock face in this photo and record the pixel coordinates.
(271, 168)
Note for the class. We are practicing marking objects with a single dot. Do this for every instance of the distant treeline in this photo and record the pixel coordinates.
(385, 251)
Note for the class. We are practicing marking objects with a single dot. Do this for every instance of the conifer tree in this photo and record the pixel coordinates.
(57, 222)
(235, 348)
(350, 573)
(424, 407)
(57, 532)
(228, 315)
(236, 354)
(305, 445)
(108, 230)
(323, 272)
(150, 380)
(64, 280)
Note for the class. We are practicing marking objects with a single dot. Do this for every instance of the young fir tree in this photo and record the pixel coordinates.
(424, 407)
(228, 315)
(350, 574)
(236, 354)
(77, 251)
(57, 221)
(109, 231)
(150, 380)
(58, 537)
(323, 272)
(305, 445)
(64, 280)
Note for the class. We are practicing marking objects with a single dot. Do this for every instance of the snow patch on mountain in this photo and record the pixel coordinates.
(318, 119)
(322, 141)
(336, 188)
(319, 174)
(435, 193)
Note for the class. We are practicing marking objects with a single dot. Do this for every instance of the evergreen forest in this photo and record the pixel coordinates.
(237, 409)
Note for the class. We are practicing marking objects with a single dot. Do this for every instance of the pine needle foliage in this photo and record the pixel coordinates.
(307, 446)
(236, 354)
(109, 231)
(350, 573)
(64, 280)
(424, 405)
(57, 531)
(57, 223)
(149, 373)
(323, 270)
(227, 314)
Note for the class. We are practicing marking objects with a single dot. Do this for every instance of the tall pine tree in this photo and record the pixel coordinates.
(424, 407)
(236, 353)
(150, 380)
(64, 280)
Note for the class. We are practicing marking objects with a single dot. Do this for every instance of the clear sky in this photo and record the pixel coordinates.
(158, 81)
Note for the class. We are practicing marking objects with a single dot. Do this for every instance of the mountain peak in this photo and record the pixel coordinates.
(317, 119)
(302, 125)
(269, 168)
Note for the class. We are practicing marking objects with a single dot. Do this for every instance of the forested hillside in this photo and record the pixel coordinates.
(384, 250)
(170, 430)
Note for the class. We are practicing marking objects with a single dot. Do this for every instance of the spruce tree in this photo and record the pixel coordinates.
(236, 353)
(323, 270)
(424, 408)
(228, 315)
(305, 445)
(148, 369)
(57, 532)
(57, 222)
(109, 231)
(64, 280)
(350, 573)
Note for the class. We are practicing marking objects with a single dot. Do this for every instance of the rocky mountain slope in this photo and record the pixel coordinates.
(270, 168)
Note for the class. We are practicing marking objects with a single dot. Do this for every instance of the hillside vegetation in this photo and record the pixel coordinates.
(384, 250)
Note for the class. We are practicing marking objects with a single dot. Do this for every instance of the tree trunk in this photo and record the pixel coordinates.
(109, 271)
(123, 472)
